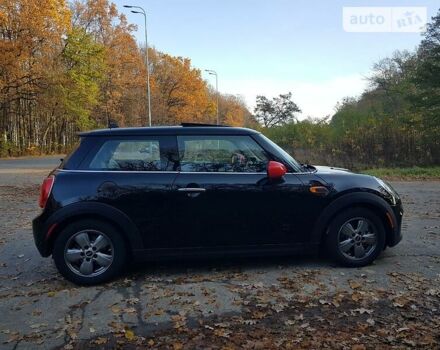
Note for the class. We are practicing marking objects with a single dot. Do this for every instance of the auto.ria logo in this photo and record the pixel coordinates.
(384, 19)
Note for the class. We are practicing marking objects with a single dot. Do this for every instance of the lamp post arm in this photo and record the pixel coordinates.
(148, 72)
(216, 88)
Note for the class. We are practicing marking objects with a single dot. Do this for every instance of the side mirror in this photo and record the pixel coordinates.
(275, 170)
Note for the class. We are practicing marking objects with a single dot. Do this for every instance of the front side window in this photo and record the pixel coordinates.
(135, 155)
(221, 154)
(286, 157)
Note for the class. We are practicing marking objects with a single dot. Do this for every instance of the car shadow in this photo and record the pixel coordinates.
(182, 266)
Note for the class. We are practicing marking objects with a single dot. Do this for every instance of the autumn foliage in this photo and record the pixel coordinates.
(66, 67)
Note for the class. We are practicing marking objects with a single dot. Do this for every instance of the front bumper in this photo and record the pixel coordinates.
(396, 224)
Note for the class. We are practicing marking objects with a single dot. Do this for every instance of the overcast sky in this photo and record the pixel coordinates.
(272, 47)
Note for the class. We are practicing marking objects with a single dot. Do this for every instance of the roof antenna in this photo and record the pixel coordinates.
(113, 124)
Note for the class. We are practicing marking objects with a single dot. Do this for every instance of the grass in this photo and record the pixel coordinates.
(413, 173)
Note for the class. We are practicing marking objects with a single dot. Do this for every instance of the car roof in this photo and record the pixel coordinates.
(170, 130)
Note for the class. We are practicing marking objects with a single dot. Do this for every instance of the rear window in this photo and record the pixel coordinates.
(75, 157)
(155, 154)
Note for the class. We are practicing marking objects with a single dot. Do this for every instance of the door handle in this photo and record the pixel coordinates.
(191, 189)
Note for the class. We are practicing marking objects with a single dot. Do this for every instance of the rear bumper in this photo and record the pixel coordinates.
(40, 231)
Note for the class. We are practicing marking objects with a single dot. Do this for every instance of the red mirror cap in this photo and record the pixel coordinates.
(276, 170)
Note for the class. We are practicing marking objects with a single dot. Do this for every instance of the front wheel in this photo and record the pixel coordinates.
(355, 237)
(89, 252)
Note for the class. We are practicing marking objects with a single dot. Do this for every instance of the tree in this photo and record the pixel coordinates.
(84, 68)
(427, 77)
(178, 91)
(31, 37)
(278, 111)
(125, 68)
(232, 110)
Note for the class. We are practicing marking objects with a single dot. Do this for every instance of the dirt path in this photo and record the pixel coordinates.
(254, 303)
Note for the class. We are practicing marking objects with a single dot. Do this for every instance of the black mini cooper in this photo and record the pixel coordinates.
(195, 190)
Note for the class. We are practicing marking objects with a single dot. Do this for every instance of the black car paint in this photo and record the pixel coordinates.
(238, 213)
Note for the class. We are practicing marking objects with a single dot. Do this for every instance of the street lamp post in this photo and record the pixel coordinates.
(142, 12)
(213, 72)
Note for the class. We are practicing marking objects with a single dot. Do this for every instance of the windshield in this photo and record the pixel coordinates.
(286, 156)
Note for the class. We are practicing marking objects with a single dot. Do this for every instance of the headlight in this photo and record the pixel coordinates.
(387, 190)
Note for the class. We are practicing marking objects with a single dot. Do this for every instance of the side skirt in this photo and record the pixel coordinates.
(234, 251)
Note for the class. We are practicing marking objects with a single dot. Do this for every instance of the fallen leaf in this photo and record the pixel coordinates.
(132, 301)
(370, 321)
(358, 347)
(258, 315)
(177, 346)
(299, 317)
(356, 296)
(116, 309)
(130, 310)
(363, 311)
(100, 341)
(249, 322)
(222, 333)
(38, 325)
(354, 284)
(36, 312)
(129, 334)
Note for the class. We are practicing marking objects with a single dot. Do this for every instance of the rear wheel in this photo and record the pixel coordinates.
(89, 252)
(355, 237)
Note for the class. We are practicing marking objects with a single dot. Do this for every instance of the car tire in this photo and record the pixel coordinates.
(89, 252)
(355, 237)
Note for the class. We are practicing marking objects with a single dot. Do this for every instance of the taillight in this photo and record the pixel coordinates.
(45, 190)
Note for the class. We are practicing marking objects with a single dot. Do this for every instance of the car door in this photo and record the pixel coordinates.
(225, 198)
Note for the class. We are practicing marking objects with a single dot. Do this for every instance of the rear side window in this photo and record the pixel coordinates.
(147, 154)
(221, 154)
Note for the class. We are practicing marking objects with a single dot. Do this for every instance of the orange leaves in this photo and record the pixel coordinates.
(178, 90)
(179, 94)
(32, 33)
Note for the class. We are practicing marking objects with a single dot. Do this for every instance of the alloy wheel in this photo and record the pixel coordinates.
(89, 253)
(357, 238)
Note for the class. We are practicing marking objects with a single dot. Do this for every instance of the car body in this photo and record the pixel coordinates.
(203, 190)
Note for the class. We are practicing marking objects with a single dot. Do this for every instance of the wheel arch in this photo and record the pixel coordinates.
(96, 211)
(355, 200)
